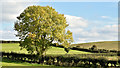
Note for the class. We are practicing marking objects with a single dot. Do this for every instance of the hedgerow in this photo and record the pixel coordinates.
(63, 60)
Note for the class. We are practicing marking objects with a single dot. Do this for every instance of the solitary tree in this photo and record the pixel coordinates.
(40, 26)
(94, 47)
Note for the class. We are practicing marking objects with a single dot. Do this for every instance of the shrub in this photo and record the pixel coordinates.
(114, 51)
(93, 48)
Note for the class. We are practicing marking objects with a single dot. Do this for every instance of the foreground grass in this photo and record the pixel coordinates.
(8, 47)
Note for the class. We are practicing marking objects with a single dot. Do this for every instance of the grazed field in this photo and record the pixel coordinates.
(8, 47)
(110, 45)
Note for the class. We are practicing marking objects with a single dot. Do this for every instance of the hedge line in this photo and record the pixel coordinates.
(89, 50)
(95, 51)
(62, 60)
(1, 41)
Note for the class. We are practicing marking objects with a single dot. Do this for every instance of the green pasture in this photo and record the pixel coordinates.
(8, 47)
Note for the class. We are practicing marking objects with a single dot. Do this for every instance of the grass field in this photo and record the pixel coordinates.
(8, 47)
(110, 45)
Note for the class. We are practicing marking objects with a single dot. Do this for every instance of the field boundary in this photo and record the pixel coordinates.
(62, 60)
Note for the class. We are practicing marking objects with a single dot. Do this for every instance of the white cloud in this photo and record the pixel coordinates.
(107, 29)
(95, 32)
(107, 32)
(81, 40)
(76, 30)
(110, 18)
(105, 17)
(75, 21)
(111, 28)
(10, 10)
(8, 35)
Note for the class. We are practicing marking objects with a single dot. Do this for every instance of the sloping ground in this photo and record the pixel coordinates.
(110, 45)
(8, 47)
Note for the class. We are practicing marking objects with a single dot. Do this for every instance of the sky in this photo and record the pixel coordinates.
(88, 21)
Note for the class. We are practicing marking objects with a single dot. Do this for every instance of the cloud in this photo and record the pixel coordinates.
(8, 35)
(107, 32)
(75, 21)
(105, 17)
(84, 31)
(10, 10)
(110, 18)
(111, 28)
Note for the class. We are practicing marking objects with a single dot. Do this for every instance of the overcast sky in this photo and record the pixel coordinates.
(89, 21)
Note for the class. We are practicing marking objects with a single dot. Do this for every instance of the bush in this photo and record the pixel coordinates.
(114, 51)
(94, 47)
(103, 62)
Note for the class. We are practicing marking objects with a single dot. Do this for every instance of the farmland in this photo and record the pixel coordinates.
(109, 45)
(14, 47)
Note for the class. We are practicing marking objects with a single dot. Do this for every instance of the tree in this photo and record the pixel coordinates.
(94, 47)
(40, 26)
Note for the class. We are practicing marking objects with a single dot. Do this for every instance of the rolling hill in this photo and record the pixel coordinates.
(109, 45)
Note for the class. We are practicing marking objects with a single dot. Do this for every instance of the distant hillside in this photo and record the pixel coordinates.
(110, 45)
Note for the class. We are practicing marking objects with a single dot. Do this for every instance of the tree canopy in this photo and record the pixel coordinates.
(40, 26)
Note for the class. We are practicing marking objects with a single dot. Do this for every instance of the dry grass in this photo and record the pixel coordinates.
(110, 45)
